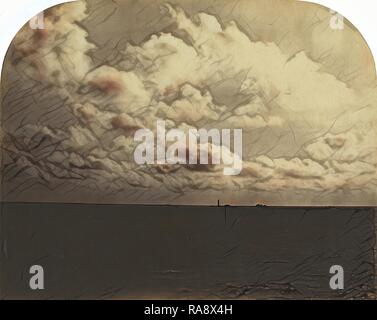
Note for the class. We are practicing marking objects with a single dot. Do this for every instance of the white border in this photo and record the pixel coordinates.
(14, 14)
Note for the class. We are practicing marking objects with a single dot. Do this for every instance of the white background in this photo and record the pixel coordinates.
(14, 14)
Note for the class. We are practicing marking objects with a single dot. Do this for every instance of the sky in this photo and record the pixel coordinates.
(307, 126)
(13, 14)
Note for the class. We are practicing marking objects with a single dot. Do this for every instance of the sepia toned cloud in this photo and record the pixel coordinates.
(307, 133)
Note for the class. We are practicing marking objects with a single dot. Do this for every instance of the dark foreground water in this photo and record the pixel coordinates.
(132, 251)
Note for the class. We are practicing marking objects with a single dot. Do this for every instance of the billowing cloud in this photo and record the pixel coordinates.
(198, 72)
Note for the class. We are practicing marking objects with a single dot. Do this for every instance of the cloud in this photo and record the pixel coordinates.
(57, 53)
(180, 76)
